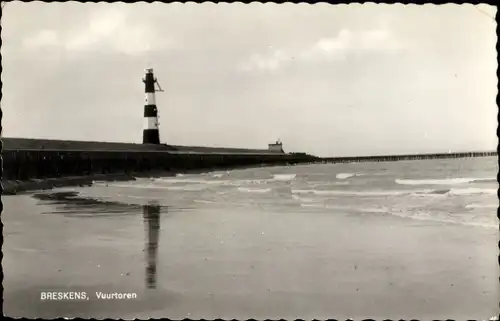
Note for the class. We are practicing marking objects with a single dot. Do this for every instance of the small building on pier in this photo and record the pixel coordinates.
(276, 147)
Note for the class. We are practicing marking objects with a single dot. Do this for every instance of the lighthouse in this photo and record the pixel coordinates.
(150, 134)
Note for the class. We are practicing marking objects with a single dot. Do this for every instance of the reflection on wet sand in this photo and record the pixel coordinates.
(152, 223)
(71, 204)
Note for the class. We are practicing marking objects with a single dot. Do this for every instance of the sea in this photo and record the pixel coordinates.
(448, 191)
(415, 239)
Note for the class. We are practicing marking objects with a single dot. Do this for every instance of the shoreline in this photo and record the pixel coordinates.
(10, 187)
(16, 187)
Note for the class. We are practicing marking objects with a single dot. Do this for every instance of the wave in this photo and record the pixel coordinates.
(191, 181)
(316, 205)
(423, 192)
(346, 208)
(346, 175)
(469, 191)
(303, 199)
(137, 197)
(249, 181)
(203, 201)
(218, 174)
(426, 216)
(355, 193)
(184, 188)
(315, 184)
(445, 181)
(212, 182)
(236, 182)
(254, 190)
(472, 206)
(419, 215)
(170, 188)
(284, 177)
(434, 192)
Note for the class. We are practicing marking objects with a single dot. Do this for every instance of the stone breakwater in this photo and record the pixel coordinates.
(27, 168)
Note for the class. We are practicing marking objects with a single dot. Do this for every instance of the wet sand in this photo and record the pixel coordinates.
(11, 187)
(220, 263)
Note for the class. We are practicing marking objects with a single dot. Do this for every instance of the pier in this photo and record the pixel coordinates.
(393, 158)
(26, 159)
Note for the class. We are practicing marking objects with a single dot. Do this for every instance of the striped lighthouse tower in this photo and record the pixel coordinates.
(150, 134)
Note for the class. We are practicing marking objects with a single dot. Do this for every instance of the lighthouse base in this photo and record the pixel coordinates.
(151, 136)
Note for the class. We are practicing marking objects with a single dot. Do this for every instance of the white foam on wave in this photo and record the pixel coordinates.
(284, 177)
(472, 206)
(354, 193)
(431, 194)
(472, 190)
(191, 181)
(346, 208)
(184, 188)
(445, 181)
(361, 193)
(201, 181)
(412, 214)
(323, 206)
(314, 205)
(427, 216)
(160, 187)
(217, 175)
(326, 206)
(346, 175)
(249, 181)
(140, 197)
(254, 190)
(204, 201)
(107, 184)
(313, 184)
(415, 193)
(419, 215)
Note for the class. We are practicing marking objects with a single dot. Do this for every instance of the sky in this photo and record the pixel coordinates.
(343, 80)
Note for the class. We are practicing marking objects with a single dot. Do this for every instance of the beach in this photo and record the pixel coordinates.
(310, 242)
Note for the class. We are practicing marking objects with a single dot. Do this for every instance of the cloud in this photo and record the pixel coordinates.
(106, 30)
(41, 39)
(271, 60)
(102, 25)
(329, 48)
(326, 49)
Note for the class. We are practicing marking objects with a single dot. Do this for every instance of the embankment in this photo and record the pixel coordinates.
(27, 167)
